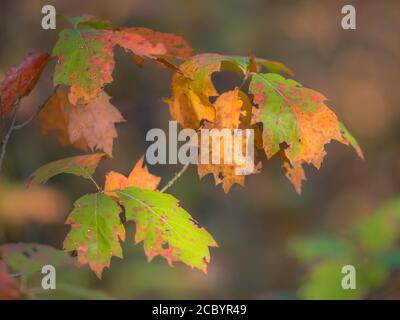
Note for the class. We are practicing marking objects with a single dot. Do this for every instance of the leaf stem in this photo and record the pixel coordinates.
(176, 177)
(95, 183)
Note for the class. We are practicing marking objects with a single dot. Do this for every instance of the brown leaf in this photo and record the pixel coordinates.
(91, 125)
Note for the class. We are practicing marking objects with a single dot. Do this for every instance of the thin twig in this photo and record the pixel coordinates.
(176, 177)
(8, 135)
(14, 126)
(29, 120)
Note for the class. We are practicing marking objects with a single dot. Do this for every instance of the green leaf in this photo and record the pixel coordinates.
(96, 229)
(350, 138)
(83, 166)
(85, 62)
(165, 228)
(199, 69)
(29, 258)
(308, 249)
(275, 67)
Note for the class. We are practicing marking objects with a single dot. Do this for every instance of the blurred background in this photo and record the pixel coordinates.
(358, 70)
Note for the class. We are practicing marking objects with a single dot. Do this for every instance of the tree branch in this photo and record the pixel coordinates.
(14, 127)
(8, 135)
(176, 177)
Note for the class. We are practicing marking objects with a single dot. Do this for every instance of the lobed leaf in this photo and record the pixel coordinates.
(296, 117)
(233, 111)
(139, 177)
(165, 228)
(96, 230)
(85, 62)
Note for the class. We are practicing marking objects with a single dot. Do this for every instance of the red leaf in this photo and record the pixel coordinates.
(20, 80)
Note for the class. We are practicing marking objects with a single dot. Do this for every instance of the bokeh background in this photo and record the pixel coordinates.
(358, 70)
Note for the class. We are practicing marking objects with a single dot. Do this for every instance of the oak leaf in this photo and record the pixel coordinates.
(20, 80)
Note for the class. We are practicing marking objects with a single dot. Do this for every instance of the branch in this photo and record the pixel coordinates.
(8, 135)
(14, 126)
(29, 120)
(176, 177)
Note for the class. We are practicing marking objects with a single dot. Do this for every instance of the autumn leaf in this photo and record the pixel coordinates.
(151, 44)
(192, 86)
(86, 58)
(233, 111)
(85, 126)
(29, 258)
(95, 123)
(55, 116)
(139, 177)
(83, 166)
(295, 116)
(294, 172)
(96, 229)
(85, 62)
(186, 107)
(20, 80)
(165, 228)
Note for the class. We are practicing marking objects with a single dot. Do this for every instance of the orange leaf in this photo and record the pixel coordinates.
(233, 111)
(139, 177)
(151, 44)
(91, 125)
